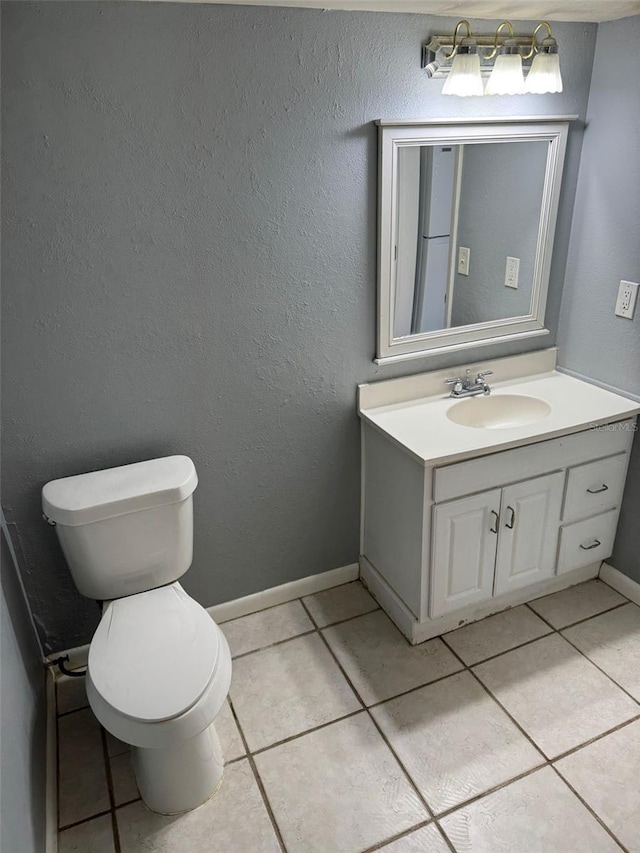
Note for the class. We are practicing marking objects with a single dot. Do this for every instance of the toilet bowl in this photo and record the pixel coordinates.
(158, 674)
(159, 667)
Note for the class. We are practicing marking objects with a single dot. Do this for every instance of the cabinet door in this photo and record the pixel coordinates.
(464, 551)
(529, 527)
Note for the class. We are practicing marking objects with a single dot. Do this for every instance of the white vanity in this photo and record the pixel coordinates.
(472, 506)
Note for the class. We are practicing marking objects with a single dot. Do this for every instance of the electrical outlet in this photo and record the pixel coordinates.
(512, 272)
(627, 298)
(464, 256)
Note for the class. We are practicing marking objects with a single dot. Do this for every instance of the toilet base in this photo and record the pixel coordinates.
(180, 777)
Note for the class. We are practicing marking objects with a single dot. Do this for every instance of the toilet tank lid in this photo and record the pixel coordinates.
(98, 495)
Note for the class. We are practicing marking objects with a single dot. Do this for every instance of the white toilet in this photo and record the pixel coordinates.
(159, 667)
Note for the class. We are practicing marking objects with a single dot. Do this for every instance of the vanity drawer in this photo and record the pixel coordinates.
(532, 460)
(595, 487)
(587, 541)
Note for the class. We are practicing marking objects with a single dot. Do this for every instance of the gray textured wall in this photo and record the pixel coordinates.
(22, 721)
(501, 197)
(189, 265)
(605, 247)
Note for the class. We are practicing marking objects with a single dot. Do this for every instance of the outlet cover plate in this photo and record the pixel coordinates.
(627, 298)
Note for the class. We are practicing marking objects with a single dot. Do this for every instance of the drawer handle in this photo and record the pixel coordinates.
(595, 544)
(495, 529)
(604, 488)
(512, 521)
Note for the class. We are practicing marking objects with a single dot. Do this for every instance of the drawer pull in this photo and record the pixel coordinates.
(512, 521)
(595, 544)
(495, 529)
(604, 488)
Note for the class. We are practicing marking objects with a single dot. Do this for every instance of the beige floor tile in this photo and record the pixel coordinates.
(558, 697)
(341, 602)
(122, 779)
(288, 689)
(428, 839)
(338, 789)
(605, 774)
(94, 836)
(266, 627)
(228, 734)
(115, 746)
(381, 663)
(83, 790)
(537, 814)
(612, 641)
(234, 820)
(578, 602)
(496, 634)
(70, 694)
(454, 740)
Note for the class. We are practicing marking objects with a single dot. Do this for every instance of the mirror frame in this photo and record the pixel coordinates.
(393, 135)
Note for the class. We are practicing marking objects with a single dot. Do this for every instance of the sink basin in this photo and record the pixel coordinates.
(500, 411)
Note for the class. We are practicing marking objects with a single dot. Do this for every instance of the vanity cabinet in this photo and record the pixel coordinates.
(494, 542)
(447, 544)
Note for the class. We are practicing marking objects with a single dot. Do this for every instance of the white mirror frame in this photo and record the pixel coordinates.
(393, 135)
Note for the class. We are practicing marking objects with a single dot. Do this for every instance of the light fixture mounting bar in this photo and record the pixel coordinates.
(435, 52)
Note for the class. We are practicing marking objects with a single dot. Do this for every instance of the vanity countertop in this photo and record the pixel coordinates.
(422, 428)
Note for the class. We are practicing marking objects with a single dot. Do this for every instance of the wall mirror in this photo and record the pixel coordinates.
(466, 221)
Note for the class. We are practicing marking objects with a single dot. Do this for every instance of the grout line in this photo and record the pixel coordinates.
(112, 798)
(559, 631)
(497, 654)
(604, 672)
(73, 711)
(375, 724)
(312, 630)
(84, 820)
(397, 837)
(589, 809)
(290, 601)
(127, 803)
(490, 791)
(415, 689)
(305, 732)
(578, 621)
(267, 804)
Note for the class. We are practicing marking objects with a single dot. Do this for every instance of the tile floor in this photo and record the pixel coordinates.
(518, 733)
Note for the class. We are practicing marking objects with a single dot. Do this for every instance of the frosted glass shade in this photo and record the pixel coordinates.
(544, 76)
(464, 78)
(507, 77)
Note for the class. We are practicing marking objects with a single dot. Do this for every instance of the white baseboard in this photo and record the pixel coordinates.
(621, 583)
(51, 769)
(284, 592)
(250, 603)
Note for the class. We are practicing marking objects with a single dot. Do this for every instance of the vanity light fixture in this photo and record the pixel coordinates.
(544, 75)
(501, 58)
(464, 77)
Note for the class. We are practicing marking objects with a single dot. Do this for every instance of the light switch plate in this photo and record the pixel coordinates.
(512, 272)
(464, 257)
(627, 298)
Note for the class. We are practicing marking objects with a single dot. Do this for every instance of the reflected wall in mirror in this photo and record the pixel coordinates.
(466, 222)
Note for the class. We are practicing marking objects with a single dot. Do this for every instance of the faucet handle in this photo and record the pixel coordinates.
(453, 380)
(485, 373)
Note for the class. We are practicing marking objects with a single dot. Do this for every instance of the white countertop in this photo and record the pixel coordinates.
(422, 427)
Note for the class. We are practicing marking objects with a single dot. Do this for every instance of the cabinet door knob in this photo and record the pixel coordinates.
(512, 520)
(603, 488)
(495, 529)
(594, 544)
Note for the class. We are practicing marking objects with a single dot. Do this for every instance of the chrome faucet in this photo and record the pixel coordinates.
(466, 387)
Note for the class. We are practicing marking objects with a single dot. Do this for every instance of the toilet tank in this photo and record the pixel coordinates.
(125, 530)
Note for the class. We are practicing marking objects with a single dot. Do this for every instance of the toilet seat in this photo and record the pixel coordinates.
(154, 654)
(159, 667)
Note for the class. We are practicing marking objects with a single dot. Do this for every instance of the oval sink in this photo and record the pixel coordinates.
(501, 411)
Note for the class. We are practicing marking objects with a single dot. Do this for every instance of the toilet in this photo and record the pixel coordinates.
(159, 667)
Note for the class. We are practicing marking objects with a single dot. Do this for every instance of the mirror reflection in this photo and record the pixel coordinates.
(467, 225)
